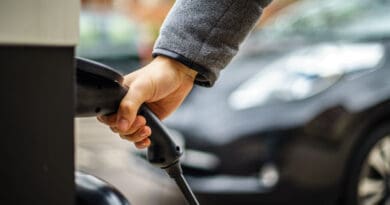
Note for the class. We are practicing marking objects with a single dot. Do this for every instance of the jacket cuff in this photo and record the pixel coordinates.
(204, 77)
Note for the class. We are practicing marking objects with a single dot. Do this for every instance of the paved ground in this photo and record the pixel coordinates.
(105, 155)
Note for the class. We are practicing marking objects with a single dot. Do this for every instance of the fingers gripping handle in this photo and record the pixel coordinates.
(100, 90)
(163, 152)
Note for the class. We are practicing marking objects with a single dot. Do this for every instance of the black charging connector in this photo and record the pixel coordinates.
(165, 153)
(99, 92)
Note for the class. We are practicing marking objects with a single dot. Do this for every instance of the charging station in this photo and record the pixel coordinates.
(37, 45)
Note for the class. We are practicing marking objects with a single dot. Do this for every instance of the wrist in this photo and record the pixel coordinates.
(181, 68)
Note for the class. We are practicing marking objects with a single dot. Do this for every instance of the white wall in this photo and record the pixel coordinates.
(39, 22)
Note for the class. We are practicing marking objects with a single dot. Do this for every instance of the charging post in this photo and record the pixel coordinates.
(37, 40)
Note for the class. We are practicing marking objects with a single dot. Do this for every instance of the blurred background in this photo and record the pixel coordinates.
(301, 115)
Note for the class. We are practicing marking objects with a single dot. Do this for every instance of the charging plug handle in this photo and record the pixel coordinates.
(163, 151)
(100, 91)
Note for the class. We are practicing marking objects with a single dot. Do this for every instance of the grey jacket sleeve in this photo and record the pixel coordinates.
(206, 34)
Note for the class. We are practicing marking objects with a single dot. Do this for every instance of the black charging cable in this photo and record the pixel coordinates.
(164, 153)
(176, 173)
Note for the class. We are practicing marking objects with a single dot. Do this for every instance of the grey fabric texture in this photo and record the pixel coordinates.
(206, 34)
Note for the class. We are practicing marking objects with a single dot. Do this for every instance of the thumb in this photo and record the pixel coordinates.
(139, 92)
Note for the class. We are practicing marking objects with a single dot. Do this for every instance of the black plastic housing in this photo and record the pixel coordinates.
(91, 190)
(99, 89)
(163, 152)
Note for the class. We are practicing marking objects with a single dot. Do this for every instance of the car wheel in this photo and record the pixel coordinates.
(369, 181)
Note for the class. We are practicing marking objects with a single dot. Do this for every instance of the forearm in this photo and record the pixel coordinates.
(205, 35)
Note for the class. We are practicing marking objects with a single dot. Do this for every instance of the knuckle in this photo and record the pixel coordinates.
(129, 137)
(142, 120)
(126, 106)
(135, 137)
(130, 131)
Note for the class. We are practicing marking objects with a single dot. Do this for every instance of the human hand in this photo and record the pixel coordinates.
(162, 85)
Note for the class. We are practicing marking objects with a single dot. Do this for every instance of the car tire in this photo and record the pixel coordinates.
(368, 178)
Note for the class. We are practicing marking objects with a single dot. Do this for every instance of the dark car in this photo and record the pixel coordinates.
(311, 125)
